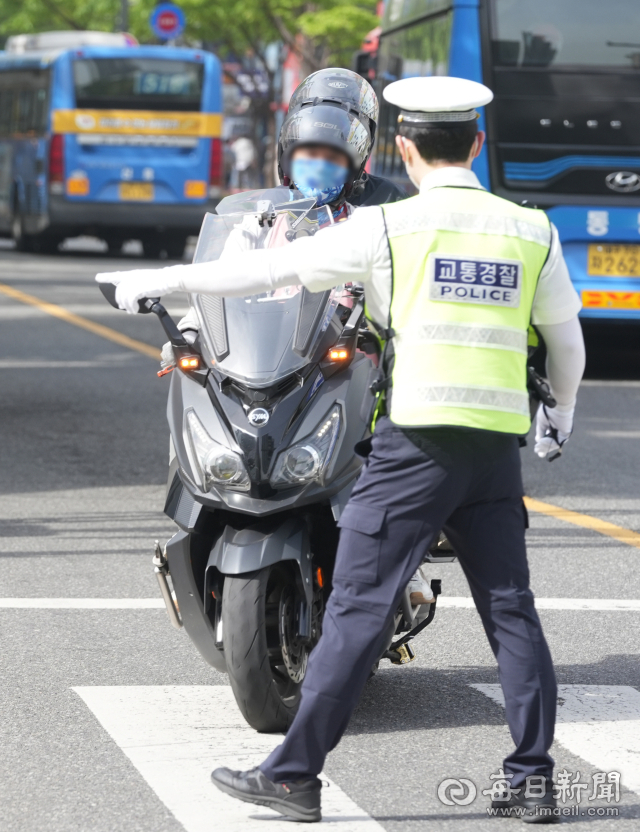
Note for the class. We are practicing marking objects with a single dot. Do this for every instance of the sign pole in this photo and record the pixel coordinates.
(124, 15)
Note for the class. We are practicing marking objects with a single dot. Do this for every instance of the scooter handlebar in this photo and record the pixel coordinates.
(145, 306)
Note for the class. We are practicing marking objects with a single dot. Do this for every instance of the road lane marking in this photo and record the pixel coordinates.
(116, 361)
(84, 323)
(588, 604)
(615, 434)
(176, 735)
(586, 521)
(600, 723)
(460, 602)
(81, 603)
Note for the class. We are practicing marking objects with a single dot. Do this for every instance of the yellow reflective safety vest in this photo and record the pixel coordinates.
(465, 266)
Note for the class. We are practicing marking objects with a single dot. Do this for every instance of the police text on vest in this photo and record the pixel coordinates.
(463, 279)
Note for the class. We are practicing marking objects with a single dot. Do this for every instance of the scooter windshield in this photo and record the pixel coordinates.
(266, 337)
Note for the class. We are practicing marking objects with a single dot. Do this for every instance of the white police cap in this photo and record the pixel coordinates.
(437, 99)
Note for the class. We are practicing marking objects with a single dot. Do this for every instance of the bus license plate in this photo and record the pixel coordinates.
(136, 191)
(610, 300)
(613, 261)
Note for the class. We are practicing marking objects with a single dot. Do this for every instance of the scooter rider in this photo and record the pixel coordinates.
(455, 275)
(324, 144)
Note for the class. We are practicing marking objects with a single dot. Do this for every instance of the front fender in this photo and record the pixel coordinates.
(247, 550)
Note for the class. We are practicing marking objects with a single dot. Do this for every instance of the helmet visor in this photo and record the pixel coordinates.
(341, 86)
(328, 125)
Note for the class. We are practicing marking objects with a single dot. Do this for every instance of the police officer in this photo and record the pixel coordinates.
(455, 276)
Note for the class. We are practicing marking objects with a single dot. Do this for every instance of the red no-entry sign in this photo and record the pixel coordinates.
(167, 21)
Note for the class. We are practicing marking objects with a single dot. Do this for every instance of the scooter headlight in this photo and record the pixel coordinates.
(216, 464)
(302, 462)
(223, 466)
(308, 459)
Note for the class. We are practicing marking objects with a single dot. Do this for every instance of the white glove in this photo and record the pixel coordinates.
(141, 283)
(553, 429)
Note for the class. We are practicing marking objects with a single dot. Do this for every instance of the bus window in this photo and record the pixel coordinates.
(6, 112)
(41, 110)
(420, 49)
(546, 33)
(138, 84)
(23, 102)
(26, 111)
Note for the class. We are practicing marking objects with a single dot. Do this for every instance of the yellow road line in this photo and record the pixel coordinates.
(84, 323)
(619, 533)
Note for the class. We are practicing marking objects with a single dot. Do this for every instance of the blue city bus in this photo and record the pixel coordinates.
(563, 132)
(120, 142)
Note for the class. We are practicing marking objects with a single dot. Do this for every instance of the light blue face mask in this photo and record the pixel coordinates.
(318, 178)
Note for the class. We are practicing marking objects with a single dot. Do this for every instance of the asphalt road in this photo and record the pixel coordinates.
(84, 450)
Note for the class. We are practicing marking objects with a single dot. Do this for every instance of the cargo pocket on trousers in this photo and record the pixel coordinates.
(360, 543)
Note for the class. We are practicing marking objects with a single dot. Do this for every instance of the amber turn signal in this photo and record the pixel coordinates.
(338, 355)
(190, 363)
(320, 577)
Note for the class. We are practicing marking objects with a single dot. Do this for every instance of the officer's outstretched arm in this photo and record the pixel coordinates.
(565, 366)
(343, 253)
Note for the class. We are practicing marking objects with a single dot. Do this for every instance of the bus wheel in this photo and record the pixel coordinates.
(45, 244)
(152, 248)
(114, 246)
(175, 246)
(24, 242)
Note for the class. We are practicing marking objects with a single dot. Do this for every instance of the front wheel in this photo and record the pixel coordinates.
(266, 659)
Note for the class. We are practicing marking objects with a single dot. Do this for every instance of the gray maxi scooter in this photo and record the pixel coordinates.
(265, 409)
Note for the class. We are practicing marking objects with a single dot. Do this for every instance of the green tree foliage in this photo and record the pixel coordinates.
(321, 33)
(27, 16)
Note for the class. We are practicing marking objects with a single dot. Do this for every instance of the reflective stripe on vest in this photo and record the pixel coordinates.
(465, 270)
(473, 335)
(484, 398)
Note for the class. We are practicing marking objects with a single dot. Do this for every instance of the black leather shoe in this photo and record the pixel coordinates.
(528, 809)
(299, 799)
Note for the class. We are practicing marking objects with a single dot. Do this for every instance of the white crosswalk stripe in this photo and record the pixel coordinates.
(600, 723)
(444, 601)
(175, 736)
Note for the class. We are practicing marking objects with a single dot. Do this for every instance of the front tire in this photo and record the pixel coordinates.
(266, 661)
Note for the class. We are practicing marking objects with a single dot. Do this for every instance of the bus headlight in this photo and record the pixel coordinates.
(308, 459)
(216, 464)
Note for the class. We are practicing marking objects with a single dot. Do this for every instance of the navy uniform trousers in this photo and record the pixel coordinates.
(413, 484)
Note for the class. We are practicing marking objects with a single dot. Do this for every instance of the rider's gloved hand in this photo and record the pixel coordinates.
(141, 283)
(553, 429)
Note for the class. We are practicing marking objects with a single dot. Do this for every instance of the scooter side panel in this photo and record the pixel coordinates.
(196, 622)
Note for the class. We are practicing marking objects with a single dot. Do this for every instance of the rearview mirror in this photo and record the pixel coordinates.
(109, 291)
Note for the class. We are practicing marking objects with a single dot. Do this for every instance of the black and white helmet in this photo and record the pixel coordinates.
(335, 107)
